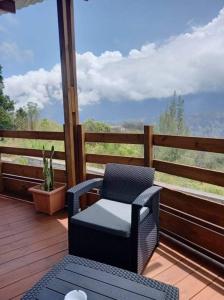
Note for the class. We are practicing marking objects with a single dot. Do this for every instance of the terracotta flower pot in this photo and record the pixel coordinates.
(48, 202)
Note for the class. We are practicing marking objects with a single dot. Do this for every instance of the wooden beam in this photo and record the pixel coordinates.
(93, 175)
(206, 210)
(193, 232)
(8, 6)
(192, 218)
(18, 187)
(148, 146)
(189, 142)
(1, 180)
(37, 135)
(82, 153)
(116, 138)
(104, 159)
(30, 171)
(31, 152)
(194, 173)
(69, 86)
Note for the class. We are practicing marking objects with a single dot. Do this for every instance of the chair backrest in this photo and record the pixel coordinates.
(124, 183)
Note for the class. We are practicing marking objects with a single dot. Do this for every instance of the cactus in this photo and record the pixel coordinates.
(48, 172)
(51, 170)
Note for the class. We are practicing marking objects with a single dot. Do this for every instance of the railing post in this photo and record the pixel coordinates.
(148, 146)
(81, 152)
(1, 177)
(69, 86)
(82, 161)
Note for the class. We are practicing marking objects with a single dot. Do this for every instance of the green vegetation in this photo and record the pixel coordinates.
(171, 121)
(23, 118)
(104, 148)
(96, 126)
(6, 107)
(48, 172)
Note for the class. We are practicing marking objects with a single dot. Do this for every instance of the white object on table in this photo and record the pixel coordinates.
(76, 295)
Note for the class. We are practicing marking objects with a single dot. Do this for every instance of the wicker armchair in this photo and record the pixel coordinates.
(121, 229)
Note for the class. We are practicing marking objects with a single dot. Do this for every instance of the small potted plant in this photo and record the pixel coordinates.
(48, 196)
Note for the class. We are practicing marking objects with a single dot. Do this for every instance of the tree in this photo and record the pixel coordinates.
(6, 107)
(48, 125)
(133, 125)
(96, 126)
(172, 122)
(21, 119)
(33, 112)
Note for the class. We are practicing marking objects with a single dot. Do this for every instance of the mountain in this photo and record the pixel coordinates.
(204, 112)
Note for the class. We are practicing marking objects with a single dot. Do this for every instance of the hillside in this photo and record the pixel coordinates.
(204, 113)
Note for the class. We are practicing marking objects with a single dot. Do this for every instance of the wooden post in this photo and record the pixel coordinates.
(148, 146)
(69, 86)
(1, 177)
(81, 152)
(82, 162)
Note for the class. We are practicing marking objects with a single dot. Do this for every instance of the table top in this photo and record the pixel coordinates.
(99, 282)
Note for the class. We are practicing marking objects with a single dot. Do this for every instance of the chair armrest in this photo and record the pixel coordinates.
(78, 190)
(145, 197)
(148, 198)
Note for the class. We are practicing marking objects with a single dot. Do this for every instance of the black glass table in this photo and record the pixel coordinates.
(99, 282)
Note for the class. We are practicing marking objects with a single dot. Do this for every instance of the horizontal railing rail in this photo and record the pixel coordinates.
(104, 159)
(189, 143)
(190, 172)
(40, 135)
(193, 219)
(33, 172)
(17, 178)
(116, 138)
(31, 152)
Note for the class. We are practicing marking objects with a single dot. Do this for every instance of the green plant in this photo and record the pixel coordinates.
(48, 172)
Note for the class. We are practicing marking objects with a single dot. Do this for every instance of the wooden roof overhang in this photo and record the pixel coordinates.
(11, 6)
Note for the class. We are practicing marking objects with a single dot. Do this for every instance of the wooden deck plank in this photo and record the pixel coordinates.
(20, 287)
(194, 283)
(32, 243)
(181, 269)
(26, 224)
(158, 265)
(21, 252)
(33, 232)
(26, 271)
(214, 291)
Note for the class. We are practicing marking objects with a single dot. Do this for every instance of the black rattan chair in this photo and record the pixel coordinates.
(121, 229)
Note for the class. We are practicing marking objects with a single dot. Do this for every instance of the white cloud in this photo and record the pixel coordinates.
(2, 29)
(10, 19)
(188, 63)
(39, 86)
(11, 51)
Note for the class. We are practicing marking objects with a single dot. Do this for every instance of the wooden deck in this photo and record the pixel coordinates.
(31, 243)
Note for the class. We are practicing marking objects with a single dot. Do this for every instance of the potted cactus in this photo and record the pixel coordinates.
(48, 196)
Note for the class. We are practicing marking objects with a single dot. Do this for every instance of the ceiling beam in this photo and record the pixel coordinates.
(8, 6)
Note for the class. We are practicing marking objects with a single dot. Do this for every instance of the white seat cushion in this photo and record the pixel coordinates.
(109, 216)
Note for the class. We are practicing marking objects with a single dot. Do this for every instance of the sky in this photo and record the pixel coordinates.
(128, 53)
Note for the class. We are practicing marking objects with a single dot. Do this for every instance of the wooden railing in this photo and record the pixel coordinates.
(193, 220)
(17, 178)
